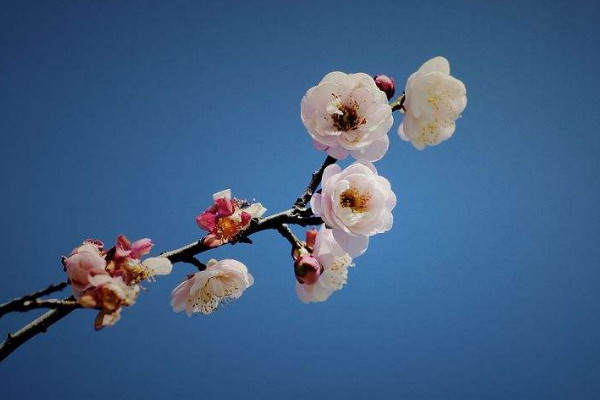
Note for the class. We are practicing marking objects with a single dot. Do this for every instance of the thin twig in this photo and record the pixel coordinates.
(287, 233)
(17, 303)
(313, 184)
(29, 305)
(35, 327)
(398, 104)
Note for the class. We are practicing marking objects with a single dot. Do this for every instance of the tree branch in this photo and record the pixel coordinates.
(313, 184)
(297, 215)
(287, 233)
(35, 327)
(18, 303)
(398, 104)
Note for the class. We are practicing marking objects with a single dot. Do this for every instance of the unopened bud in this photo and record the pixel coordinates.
(386, 84)
(307, 269)
(311, 238)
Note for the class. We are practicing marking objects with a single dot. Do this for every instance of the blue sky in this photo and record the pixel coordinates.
(125, 117)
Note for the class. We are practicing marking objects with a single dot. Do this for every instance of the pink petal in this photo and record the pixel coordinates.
(141, 247)
(212, 240)
(206, 221)
(225, 207)
(123, 247)
(246, 217)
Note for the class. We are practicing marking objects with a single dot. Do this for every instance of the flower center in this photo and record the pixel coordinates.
(347, 118)
(226, 228)
(358, 202)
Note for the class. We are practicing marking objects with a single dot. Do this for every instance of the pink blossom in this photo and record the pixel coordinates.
(124, 248)
(128, 265)
(83, 263)
(109, 294)
(334, 262)
(221, 282)
(226, 218)
(348, 114)
(109, 280)
(356, 203)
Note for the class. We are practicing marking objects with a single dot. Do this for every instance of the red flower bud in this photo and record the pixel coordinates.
(386, 84)
(307, 269)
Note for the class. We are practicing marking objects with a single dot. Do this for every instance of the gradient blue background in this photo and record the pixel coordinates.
(127, 116)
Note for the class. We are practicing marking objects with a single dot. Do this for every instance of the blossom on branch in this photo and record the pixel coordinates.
(127, 263)
(84, 262)
(348, 114)
(333, 262)
(226, 218)
(221, 282)
(434, 100)
(109, 280)
(356, 203)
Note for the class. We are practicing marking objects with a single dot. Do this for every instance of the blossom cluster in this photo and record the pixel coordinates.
(345, 115)
(109, 280)
(226, 218)
(349, 114)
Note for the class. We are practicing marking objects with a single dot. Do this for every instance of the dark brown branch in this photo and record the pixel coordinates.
(287, 233)
(17, 304)
(35, 327)
(313, 184)
(398, 104)
(195, 262)
(298, 215)
(29, 305)
(274, 221)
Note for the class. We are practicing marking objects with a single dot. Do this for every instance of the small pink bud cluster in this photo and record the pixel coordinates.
(226, 218)
(306, 267)
(320, 266)
(386, 84)
(109, 280)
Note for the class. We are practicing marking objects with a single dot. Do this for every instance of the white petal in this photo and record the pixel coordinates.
(438, 63)
(353, 245)
(158, 265)
(256, 210)
(224, 194)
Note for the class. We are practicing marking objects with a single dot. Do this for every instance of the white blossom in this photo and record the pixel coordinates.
(348, 114)
(203, 292)
(434, 100)
(356, 203)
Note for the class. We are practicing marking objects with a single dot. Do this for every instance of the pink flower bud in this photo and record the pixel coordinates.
(311, 238)
(386, 84)
(307, 269)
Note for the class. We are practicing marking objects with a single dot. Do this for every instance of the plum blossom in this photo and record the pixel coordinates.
(348, 114)
(334, 262)
(356, 203)
(226, 218)
(108, 280)
(127, 263)
(85, 262)
(221, 282)
(434, 100)
(109, 294)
